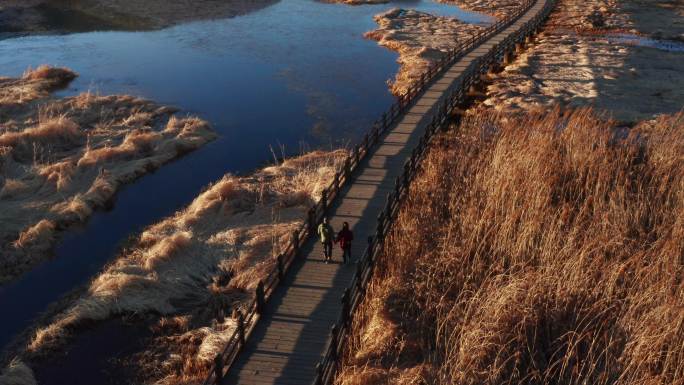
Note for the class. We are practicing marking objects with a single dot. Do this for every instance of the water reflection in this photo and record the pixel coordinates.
(296, 74)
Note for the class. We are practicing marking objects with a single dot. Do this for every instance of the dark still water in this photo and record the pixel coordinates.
(293, 76)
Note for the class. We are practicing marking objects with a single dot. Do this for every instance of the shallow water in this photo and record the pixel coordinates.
(641, 41)
(292, 76)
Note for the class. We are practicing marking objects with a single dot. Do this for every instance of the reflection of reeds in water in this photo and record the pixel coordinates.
(540, 249)
(195, 267)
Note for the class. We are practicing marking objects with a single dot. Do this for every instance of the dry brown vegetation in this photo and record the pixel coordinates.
(420, 39)
(541, 249)
(577, 61)
(194, 267)
(60, 159)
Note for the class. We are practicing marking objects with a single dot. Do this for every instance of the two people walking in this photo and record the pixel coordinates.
(327, 237)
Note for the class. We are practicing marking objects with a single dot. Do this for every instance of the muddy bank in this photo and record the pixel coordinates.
(420, 38)
(590, 53)
(182, 277)
(60, 159)
(19, 17)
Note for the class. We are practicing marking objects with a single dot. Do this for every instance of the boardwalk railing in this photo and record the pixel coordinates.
(354, 294)
(247, 318)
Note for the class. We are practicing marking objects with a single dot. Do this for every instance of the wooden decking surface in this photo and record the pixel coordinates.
(292, 334)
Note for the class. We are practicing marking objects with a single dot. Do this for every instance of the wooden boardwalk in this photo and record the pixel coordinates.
(291, 336)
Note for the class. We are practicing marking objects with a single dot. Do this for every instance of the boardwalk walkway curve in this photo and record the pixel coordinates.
(286, 336)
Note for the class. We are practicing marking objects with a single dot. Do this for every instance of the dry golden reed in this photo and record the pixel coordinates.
(60, 159)
(187, 273)
(544, 249)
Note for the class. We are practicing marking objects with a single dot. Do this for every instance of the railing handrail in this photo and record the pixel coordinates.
(353, 295)
(246, 321)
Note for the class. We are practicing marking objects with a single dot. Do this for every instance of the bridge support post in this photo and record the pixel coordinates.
(530, 38)
(324, 200)
(240, 320)
(260, 300)
(347, 167)
(345, 308)
(319, 374)
(491, 71)
(519, 48)
(508, 57)
(312, 220)
(380, 232)
(218, 368)
(295, 241)
(281, 267)
(369, 250)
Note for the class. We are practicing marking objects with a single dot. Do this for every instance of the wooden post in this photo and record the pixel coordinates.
(312, 220)
(333, 343)
(519, 47)
(281, 267)
(357, 154)
(369, 249)
(220, 315)
(319, 374)
(260, 300)
(389, 205)
(384, 120)
(241, 328)
(380, 230)
(345, 308)
(324, 200)
(295, 241)
(218, 368)
(347, 169)
(508, 57)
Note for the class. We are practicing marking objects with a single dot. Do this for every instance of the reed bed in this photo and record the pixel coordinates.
(542, 249)
(63, 158)
(184, 276)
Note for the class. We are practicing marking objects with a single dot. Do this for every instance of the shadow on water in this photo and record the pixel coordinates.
(293, 75)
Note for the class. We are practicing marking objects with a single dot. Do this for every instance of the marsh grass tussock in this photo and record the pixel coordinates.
(420, 38)
(541, 249)
(60, 159)
(191, 270)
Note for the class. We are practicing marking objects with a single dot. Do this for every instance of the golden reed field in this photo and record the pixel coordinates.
(543, 249)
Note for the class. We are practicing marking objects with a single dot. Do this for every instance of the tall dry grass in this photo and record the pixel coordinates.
(191, 270)
(34, 84)
(60, 159)
(544, 249)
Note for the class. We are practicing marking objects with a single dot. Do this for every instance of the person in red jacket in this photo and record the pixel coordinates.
(345, 238)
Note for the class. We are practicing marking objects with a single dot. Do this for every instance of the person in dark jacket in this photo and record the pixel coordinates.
(326, 234)
(345, 238)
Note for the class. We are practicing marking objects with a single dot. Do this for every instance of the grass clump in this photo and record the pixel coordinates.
(61, 159)
(541, 249)
(185, 275)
